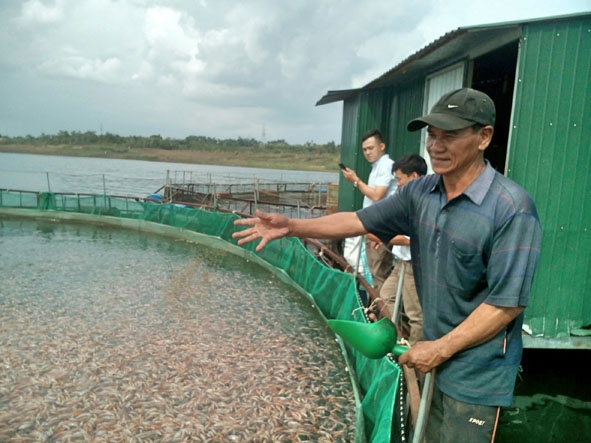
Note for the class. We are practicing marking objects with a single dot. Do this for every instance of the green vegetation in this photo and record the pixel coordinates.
(275, 154)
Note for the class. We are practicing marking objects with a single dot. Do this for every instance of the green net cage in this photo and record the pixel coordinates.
(378, 384)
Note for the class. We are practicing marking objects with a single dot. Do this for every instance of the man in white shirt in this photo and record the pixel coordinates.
(377, 187)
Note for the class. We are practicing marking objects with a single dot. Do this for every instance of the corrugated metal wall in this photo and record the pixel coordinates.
(348, 152)
(386, 111)
(550, 155)
(409, 105)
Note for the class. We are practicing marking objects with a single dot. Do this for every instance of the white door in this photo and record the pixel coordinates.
(436, 85)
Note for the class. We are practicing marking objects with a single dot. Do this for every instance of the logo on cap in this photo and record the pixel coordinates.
(457, 110)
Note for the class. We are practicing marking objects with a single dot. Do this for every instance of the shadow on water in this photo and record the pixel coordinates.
(552, 399)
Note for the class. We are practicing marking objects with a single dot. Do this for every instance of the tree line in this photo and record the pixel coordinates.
(193, 142)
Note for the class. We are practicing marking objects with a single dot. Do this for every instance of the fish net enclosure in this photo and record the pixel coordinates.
(378, 384)
(302, 200)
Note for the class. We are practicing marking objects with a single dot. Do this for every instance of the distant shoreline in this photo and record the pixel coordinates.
(298, 161)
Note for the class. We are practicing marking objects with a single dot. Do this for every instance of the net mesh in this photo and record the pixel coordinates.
(378, 384)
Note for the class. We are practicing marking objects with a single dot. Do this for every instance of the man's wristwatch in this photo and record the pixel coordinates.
(355, 183)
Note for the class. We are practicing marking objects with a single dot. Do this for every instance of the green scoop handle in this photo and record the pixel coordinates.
(374, 340)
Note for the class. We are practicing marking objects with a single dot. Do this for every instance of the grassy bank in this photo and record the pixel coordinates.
(245, 157)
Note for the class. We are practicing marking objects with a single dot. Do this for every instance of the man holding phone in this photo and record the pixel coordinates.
(377, 187)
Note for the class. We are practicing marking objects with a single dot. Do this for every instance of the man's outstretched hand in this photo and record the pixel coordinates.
(266, 226)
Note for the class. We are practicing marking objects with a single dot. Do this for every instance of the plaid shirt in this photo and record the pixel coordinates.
(482, 246)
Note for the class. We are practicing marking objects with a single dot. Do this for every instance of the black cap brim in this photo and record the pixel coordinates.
(446, 122)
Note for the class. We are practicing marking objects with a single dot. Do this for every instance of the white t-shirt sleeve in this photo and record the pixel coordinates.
(383, 173)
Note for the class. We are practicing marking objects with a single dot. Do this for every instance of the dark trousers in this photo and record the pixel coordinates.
(453, 421)
(379, 262)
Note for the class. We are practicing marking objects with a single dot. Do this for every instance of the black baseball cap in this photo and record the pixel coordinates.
(457, 110)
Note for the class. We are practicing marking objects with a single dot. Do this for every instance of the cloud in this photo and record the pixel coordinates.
(170, 34)
(221, 69)
(76, 66)
(35, 12)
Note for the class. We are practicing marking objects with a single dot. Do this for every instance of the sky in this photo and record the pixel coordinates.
(223, 69)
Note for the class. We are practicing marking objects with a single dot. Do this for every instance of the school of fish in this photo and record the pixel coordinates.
(118, 336)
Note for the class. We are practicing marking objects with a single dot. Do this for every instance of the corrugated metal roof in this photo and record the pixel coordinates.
(453, 46)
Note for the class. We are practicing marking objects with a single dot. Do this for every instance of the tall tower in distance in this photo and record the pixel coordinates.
(263, 137)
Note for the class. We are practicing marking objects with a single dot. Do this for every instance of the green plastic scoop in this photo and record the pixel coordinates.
(374, 340)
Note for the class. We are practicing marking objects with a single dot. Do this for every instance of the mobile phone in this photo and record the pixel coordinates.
(342, 166)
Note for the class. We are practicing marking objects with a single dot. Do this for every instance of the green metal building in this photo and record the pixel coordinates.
(538, 72)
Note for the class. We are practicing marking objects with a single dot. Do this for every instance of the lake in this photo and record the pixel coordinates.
(137, 178)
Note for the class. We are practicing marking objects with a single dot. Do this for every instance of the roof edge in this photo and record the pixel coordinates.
(340, 95)
(337, 96)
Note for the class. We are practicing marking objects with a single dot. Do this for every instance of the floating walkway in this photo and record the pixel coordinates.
(293, 199)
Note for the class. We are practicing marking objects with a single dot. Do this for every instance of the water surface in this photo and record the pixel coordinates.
(112, 335)
(42, 173)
